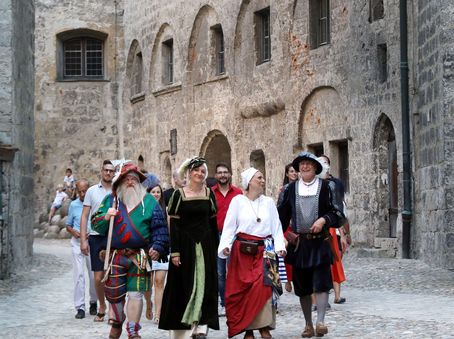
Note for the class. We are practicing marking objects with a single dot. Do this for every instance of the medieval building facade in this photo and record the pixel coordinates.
(253, 82)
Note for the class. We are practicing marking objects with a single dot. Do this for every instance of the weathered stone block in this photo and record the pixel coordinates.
(64, 234)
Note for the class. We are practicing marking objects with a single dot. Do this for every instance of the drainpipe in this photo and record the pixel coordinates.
(118, 89)
(3, 244)
(406, 155)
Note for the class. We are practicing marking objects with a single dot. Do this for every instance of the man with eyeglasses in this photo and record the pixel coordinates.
(224, 192)
(92, 242)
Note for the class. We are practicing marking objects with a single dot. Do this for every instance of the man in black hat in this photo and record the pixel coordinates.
(307, 203)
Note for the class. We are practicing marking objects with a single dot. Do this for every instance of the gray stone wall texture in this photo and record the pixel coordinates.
(16, 131)
(434, 133)
(344, 94)
(76, 121)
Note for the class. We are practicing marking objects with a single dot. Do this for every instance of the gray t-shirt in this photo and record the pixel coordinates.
(93, 198)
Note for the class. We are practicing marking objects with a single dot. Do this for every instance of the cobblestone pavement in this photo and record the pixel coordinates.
(386, 298)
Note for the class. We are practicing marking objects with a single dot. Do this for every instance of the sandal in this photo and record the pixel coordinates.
(99, 317)
(249, 335)
(115, 330)
(265, 333)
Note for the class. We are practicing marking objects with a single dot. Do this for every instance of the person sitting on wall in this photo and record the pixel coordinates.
(60, 196)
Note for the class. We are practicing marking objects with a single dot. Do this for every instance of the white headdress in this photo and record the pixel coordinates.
(247, 175)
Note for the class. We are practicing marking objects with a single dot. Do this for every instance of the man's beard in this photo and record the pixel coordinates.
(131, 196)
(223, 181)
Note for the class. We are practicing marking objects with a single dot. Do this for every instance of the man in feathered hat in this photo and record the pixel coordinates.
(138, 232)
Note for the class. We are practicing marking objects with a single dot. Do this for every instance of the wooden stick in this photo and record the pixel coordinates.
(109, 239)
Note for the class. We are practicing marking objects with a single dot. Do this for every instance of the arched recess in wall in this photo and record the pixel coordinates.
(141, 163)
(166, 179)
(165, 67)
(215, 149)
(206, 47)
(134, 71)
(257, 160)
(322, 118)
(385, 166)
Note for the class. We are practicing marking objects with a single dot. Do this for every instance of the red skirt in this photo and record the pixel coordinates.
(245, 293)
(337, 269)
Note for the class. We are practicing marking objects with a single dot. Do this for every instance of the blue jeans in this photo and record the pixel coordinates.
(222, 263)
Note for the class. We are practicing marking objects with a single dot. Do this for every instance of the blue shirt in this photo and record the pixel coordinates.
(74, 214)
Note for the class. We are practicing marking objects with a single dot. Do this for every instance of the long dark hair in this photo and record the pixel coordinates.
(161, 200)
(287, 169)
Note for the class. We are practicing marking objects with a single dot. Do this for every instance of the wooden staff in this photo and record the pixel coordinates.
(109, 240)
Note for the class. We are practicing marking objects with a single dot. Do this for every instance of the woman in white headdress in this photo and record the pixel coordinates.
(251, 237)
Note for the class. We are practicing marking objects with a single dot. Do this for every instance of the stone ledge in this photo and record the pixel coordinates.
(167, 89)
(137, 97)
(213, 79)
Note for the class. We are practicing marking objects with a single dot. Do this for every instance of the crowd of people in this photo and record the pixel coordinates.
(207, 251)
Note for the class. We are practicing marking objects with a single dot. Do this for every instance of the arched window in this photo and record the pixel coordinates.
(81, 55)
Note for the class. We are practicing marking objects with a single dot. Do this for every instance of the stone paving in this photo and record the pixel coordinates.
(386, 298)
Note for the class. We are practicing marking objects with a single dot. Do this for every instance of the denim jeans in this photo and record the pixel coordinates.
(222, 263)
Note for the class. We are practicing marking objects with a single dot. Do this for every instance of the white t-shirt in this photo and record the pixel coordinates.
(59, 197)
(93, 198)
(242, 218)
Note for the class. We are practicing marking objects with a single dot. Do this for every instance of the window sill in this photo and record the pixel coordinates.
(83, 80)
(264, 62)
(213, 79)
(168, 89)
(137, 97)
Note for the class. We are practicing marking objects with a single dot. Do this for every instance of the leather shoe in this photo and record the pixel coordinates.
(340, 300)
(321, 330)
(308, 332)
(93, 308)
(80, 314)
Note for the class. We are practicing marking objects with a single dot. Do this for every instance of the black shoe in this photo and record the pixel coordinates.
(340, 300)
(93, 308)
(80, 314)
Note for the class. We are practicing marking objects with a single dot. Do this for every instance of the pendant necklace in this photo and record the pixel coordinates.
(253, 210)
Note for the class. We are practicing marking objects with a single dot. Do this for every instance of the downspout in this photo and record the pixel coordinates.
(3, 232)
(406, 155)
(118, 94)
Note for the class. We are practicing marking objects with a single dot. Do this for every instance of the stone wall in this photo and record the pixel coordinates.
(434, 133)
(301, 97)
(344, 95)
(76, 121)
(16, 133)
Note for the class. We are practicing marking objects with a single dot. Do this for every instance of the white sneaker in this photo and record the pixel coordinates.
(221, 311)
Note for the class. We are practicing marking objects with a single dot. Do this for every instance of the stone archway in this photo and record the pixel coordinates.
(257, 160)
(385, 162)
(215, 149)
(166, 173)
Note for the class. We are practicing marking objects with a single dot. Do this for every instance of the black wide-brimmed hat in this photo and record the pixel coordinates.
(307, 156)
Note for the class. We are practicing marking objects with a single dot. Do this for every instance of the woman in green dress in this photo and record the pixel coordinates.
(190, 299)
